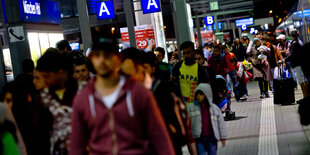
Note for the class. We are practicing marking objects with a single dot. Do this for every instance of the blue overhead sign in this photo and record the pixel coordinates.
(245, 21)
(105, 10)
(209, 20)
(150, 6)
(214, 28)
(40, 11)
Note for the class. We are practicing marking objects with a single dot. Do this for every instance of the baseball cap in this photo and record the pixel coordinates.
(293, 31)
(281, 36)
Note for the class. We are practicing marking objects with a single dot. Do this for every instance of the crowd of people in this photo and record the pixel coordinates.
(131, 102)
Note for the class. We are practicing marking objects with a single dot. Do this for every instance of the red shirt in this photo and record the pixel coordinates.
(206, 121)
(228, 57)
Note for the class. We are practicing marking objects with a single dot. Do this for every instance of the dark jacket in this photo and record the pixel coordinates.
(295, 54)
(239, 52)
(134, 125)
(203, 76)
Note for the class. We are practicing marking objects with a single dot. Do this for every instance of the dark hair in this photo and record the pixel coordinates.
(53, 61)
(62, 45)
(217, 46)
(187, 44)
(245, 38)
(200, 52)
(149, 58)
(161, 50)
(8, 88)
(134, 54)
(28, 66)
(106, 47)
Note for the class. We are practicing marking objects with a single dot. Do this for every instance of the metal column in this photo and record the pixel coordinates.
(3, 79)
(181, 24)
(198, 32)
(19, 50)
(84, 24)
(128, 9)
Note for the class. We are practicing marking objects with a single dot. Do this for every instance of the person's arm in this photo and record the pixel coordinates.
(156, 127)
(222, 128)
(248, 50)
(79, 136)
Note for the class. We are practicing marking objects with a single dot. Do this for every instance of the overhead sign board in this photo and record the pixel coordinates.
(150, 6)
(245, 21)
(209, 20)
(40, 11)
(214, 5)
(105, 10)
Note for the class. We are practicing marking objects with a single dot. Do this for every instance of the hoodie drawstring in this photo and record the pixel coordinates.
(129, 104)
(92, 105)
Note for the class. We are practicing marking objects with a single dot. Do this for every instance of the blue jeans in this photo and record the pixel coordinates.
(206, 145)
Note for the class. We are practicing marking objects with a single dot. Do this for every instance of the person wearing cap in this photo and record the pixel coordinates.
(114, 114)
(283, 45)
(295, 59)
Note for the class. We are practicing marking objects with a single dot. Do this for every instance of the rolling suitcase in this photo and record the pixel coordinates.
(283, 89)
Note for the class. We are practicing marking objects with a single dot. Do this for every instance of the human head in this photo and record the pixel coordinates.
(132, 64)
(28, 66)
(149, 62)
(218, 41)
(293, 33)
(225, 49)
(55, 68)
(38, 80)
(237, 41)
(80, 70)
(216, 51)
(281, 38)
(203, 93)
(256, 42)
(199, 57)
(160, 53)
(105, 59)
(246, 40)
(64, 46)
(188, 52)
(6, 94)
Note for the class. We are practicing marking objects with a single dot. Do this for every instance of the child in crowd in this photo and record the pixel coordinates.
(217, 62)
(243, 77)
(208, 126)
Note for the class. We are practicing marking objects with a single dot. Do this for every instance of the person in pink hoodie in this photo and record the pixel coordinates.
(114, 114)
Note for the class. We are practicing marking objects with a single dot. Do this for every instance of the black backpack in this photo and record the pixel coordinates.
(173, 109)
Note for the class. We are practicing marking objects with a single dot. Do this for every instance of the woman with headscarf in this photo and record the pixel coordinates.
(261, 67)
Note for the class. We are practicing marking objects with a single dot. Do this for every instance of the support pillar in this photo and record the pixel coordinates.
(198, 32)
(181, 25)
(128, 9)
(84, 24)
(19, 50)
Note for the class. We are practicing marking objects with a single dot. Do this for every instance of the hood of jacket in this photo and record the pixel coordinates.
(207, 91)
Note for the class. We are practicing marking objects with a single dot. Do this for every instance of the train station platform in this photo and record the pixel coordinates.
(262, 128)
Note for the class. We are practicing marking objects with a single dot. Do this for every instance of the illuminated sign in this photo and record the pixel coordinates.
(245, 21)
(40, 11)
(214, 28)
(75, 46)
(209, 20)
(105, 10)
(243, 27)
(32, 7)
(150, 6)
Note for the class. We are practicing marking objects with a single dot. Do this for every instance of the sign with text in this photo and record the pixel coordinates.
(209, 20)
(144, 35)
(105, 10)
(150, 6)
(40, 11)
(245, 21)
(206, 36)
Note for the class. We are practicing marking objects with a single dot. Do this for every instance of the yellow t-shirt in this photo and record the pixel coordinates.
(188, 81)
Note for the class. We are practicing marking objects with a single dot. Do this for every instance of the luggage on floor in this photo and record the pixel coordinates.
(284, 90)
